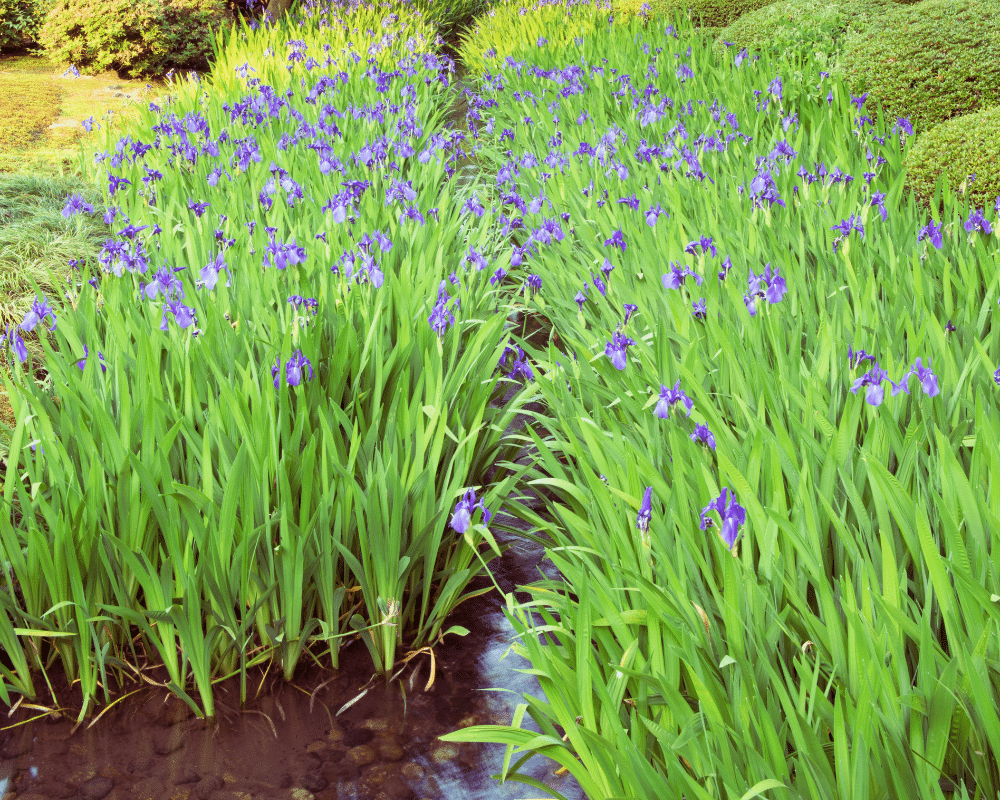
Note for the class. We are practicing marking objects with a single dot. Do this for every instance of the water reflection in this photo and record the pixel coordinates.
(291, 744)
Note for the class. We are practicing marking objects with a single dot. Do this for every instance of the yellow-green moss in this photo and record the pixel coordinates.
(958, 148)
(27, 108)
(930, 62)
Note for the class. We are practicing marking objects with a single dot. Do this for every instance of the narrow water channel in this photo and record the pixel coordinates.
(290, 743)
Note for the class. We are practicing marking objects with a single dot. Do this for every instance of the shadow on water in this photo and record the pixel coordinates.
(290, 743)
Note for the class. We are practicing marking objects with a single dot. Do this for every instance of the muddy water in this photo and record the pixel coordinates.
(290, 744)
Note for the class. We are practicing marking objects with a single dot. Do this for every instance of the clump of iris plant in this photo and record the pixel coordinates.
(872, 380)
(731, 516)
(769, 285)
(441, 315)
(677, 275)
(40, 311)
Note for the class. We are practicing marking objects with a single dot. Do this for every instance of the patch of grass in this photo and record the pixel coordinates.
(41, 112)
(37, 242)
(27, 107)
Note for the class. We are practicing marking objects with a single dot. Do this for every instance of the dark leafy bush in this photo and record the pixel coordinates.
(930, 61)
(20, 21)
(136, 38)
(961, 147)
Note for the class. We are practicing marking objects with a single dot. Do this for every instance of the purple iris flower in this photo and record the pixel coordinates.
(645, 511)
(519, 365)
(14, 341)
(461, 518)
(931, 231)
(668, 397)
(775, 88)
(704, 435)
(40, 309)
(197, 208)
(441, 317)
(75, 203)
(654, 213)
(581, 297)
(769, 285)
(705, 242)
(727, 265)
(928, 380)
(82, 363)
(165, 282)
(293, 369)
(183, 315)
(210, 272)
(616, 349)
(871, 381)
(878, 200)
(731, 514)
(283, 255)
(845, 227)
(700, 309)
(977, 222)
(858, 357)
(630, 309)
(476, 259)
(675, 278)
(616, 240)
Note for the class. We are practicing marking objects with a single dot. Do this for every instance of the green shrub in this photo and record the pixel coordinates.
(929, 62)
(512, 26)
(963, 146)
(799, 26)
(703, 13)
(20, 21)
(137, 38)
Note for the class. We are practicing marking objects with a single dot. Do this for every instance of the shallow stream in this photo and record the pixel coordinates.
(290, 744)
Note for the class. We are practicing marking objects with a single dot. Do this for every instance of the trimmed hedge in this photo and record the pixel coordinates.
(704, 13)
(958, 148)
(930, 62)
(136, 38)
(799, 26)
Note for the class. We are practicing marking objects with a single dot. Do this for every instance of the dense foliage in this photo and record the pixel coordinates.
(966, 149)
(20, 21)
(930, 61)
(799, 27)
(137, 38)
(767, 425)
